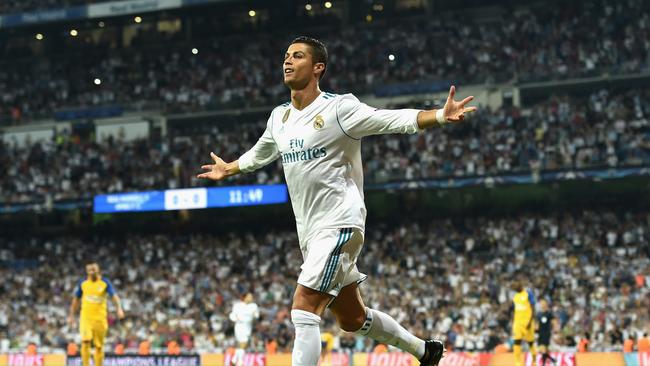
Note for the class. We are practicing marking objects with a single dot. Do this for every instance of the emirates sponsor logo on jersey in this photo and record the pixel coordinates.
(300, 153)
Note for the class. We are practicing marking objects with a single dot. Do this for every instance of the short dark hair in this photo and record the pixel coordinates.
(318, 50)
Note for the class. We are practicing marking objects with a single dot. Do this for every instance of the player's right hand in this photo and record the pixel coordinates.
(71, 321)
(217, 171)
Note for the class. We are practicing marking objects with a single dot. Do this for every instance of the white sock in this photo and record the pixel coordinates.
(383, 328)
(306, 346)
(238, 359)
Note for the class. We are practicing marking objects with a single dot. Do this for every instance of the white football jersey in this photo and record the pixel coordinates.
(320, 148)
(244, 314)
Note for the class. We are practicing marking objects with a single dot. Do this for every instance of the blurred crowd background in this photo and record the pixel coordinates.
(447, 278)
(159, 69)
(604, 130)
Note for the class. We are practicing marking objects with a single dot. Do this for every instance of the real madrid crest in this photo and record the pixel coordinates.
(319, 122)
(286, 115)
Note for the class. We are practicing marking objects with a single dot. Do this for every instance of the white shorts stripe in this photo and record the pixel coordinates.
(333, 260)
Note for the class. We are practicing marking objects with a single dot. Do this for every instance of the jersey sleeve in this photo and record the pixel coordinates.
(531, 297)
(358, 119)
(110, 290)
(262, 153)
(77, 290)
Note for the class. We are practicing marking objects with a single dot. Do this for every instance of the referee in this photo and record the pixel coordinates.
(545, 324)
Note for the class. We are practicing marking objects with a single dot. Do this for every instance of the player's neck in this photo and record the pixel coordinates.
(302, 98)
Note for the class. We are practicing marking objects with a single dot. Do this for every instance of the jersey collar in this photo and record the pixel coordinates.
(308, 108)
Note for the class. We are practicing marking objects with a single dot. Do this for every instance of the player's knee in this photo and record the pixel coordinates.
(301, 318)
(351, 323)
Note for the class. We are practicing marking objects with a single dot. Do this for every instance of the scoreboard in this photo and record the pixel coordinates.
(191, 198)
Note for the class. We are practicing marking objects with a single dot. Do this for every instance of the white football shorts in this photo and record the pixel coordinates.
(242, 333)
(330, 260)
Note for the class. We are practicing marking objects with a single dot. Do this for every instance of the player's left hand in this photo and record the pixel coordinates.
(120, 314)
(455, 111)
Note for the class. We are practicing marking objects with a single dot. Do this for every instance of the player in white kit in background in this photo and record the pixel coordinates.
(243, 314)
(317, 136)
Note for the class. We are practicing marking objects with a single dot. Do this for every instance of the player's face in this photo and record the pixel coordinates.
(516, 285)
(92, 270)
(298, 67)
(248, 298)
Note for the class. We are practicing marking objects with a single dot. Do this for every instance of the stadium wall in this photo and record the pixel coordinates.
(337, 359)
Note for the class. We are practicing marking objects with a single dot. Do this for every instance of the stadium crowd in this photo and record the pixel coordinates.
(159, 71)
(440, 277)
(605, 129)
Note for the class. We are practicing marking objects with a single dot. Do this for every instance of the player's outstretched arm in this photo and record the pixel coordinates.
(358, 120)
(73, 309)
(118, 306)
(220, 169)
(453, 111)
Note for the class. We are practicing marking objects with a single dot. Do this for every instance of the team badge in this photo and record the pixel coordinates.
(286, 115)
(319, 122)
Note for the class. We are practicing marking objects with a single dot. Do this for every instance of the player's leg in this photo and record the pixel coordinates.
(99, 335)
(533, 351)
(308, 306)
(516, 350)
(530, 338)
(240, 352)
(321, 254)
(517, 336)
(86, 341)
(543, 349)
(353, 316)
(85, 353)
(242, 336)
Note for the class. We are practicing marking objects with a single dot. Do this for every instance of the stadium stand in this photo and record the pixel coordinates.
(605, 129)
(448, 277)
(158, 71)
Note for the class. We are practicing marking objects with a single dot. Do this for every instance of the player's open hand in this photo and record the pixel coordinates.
(217, 171)
(120, 314)
(455, 111)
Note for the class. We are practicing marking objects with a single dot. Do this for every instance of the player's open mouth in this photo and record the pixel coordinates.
(288, 71)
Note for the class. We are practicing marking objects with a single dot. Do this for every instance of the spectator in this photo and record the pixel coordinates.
(644, 343)
(628, 345)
